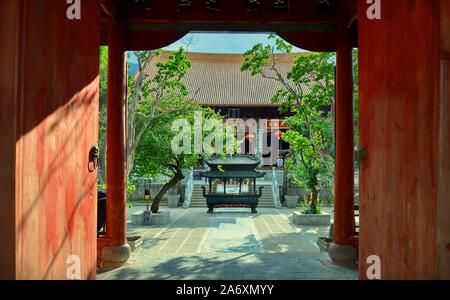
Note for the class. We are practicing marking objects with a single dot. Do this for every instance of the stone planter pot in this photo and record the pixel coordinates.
(311, 220)
(141, 218)
(161, 218)
(291, 201)
(173, 200)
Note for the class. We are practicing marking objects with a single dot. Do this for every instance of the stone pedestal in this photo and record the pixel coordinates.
(342, 253)
(116, 254)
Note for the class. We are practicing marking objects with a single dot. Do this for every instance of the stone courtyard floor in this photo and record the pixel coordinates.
(231, 244)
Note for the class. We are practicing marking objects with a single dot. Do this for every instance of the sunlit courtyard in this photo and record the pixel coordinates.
(231, 244)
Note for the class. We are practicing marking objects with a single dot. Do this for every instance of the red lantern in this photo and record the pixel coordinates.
(280, 134)
(250, 136)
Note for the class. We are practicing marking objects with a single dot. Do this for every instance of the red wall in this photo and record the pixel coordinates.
(49, 89)
(9, 23)
(402, 124)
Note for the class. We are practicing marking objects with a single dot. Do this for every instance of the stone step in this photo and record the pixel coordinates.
(260, 205)
(204, 204)
(270, 204)
(203, 200)
(201, 191)
(262, 197)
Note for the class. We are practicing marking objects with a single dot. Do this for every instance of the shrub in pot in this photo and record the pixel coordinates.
(311, 214)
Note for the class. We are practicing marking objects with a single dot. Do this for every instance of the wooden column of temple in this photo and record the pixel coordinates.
(344, 177)
(116, 144)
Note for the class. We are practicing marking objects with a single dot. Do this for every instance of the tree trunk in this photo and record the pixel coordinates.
(173, 182)
(285, 180)
(314, 200)
(102, 158)
(130, 159)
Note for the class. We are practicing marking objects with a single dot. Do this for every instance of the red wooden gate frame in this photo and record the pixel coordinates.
(127, 26)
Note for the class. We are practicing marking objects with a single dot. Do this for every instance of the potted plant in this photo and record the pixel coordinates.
(173, 198)
(311, 214)
(309, 173)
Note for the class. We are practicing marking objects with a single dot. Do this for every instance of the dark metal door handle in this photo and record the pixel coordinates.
(93, 158)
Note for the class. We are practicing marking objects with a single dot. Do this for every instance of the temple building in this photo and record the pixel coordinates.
(216, 80)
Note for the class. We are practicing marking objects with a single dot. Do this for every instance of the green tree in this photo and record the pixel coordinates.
(103, 78)
(308, 92)
(156, 156)
(356, 94)
(152, 97)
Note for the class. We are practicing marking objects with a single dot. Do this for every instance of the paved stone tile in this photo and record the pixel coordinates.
(229, 244)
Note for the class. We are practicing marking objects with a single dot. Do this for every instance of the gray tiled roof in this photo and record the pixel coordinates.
(216, 79)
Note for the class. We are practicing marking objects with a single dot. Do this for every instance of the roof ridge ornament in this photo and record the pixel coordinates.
(213, 5)
(185, 3)
(323, 5)
(143, 3)
(253, 5)
(281, 4)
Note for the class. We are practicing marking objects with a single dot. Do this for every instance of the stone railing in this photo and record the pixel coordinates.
(275, 189)
(189, 189)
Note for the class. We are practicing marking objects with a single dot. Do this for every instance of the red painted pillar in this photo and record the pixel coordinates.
(116, 147)
(344, 177)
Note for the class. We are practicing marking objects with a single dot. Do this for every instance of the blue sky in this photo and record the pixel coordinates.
(220, 42)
